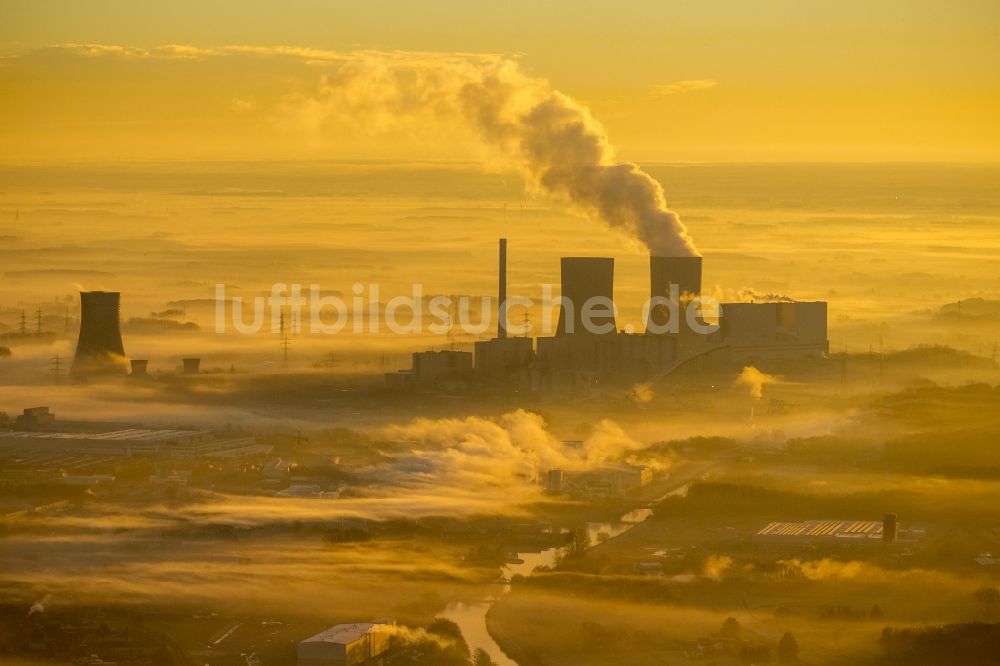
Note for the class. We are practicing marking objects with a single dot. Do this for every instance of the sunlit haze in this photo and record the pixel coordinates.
(523, 333)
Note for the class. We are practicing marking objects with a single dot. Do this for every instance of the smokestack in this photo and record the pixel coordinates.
(140, 367)
(888, 529)
(684, 272)
(191, 365)
(502, 292)
(99, 348)
(586, 279)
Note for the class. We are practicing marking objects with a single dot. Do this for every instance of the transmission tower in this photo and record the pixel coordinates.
(284, 337)
(57, 367)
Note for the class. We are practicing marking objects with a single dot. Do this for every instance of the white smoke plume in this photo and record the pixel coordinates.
(40, 605)
(755, 380)
(508, 454)
(716, 567)
(554, 140)
(641, 394)
(752, 295)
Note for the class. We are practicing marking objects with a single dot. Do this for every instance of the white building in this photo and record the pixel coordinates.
(345, 644)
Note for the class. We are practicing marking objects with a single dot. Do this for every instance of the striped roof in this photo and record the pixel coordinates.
(824, 528)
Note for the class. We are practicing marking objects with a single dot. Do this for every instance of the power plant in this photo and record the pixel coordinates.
(99, 349)
(588, 350)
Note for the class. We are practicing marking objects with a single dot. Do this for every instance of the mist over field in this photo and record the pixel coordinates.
(499, 334)
(424, 498)
(893, 248)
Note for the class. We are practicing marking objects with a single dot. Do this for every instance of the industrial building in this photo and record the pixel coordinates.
(831, 532)
(578, 357)
(35, 418)
(346, 644)
(445, 370)
(504, 361)
(575, 360)
(131, 442)
(610, 480)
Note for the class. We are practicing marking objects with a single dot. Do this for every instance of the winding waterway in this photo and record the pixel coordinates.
(470, 616)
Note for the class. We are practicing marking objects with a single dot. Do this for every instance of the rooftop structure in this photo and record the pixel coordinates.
(837, 532)
(34, 418)
(607, 480)
(345, 644)
(447, 369)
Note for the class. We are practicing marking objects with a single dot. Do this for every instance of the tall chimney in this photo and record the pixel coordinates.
(684, 272)
(502, 292)
(584, 279)
(99, 348)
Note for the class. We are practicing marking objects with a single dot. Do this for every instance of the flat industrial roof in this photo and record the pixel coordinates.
(343, 633)
(852, 529)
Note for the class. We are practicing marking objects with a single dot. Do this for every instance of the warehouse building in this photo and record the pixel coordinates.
(346, 644)
(883, 532)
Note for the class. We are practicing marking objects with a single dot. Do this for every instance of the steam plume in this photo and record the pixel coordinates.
(755, 380)
(553, 139)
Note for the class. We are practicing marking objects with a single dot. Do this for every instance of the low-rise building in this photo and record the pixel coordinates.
(346, 644)
(133, 442)
(607, 480)
(34, 418)
(837, 532)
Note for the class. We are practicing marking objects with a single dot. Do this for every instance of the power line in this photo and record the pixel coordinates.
(57, 367)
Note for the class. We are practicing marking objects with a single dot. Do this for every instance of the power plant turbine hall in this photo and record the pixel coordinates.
(99, 349)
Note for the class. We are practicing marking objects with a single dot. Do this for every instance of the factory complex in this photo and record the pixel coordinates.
(588, 349)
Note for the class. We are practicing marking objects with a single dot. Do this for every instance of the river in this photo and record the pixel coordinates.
(470, 616)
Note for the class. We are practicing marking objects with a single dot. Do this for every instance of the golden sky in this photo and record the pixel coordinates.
(672, 82)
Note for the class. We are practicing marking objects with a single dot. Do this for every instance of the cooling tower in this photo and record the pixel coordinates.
(685, 272)
(583, 279)
(140, 367)
(99, 348)
(192, 366)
